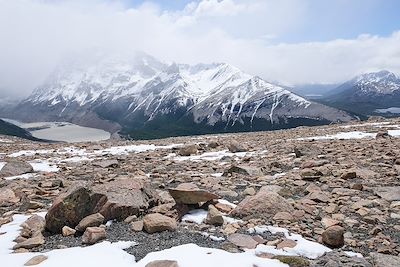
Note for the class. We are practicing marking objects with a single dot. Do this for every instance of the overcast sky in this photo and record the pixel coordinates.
(289, 41)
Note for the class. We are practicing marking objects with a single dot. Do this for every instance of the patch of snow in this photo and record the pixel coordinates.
(6, 141)
(226, 202)
(43, 166)
(2, 165)
(342, 135)
(211, 156)
(195, 216)
(218, 174)
(213, 237)
(186, 256)
(364, 124)
(353, 254)
(107, 254)
(29, 153)
(22, 176)
(394, 133)
(279, 175)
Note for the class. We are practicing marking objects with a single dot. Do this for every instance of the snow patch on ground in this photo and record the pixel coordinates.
(2, 165)
(43, 166)
(107, 254)
(343, 135)
(210, 156)
(22, 176)
(195, 216)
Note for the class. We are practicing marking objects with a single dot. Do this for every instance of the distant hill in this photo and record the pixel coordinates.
(7, 128)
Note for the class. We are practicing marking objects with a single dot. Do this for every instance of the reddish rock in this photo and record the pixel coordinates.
(93, 234)
(243, 241)
(333, 236)
(189, 193)
(156, 222)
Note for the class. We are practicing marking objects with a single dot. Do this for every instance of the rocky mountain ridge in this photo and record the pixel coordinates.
(146, 97)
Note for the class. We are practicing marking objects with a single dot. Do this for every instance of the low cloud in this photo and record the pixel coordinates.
(37, 34)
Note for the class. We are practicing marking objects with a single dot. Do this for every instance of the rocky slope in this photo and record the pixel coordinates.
(148, 98)
(367, 94)
(335, 186)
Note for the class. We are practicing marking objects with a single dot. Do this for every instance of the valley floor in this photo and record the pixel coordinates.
(309, 196)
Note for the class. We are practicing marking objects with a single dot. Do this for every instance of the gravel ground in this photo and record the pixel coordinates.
(120, 231)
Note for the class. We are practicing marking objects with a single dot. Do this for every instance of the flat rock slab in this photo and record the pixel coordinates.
(389, 193)
(112, 163)
(190, 194)
(243, 241)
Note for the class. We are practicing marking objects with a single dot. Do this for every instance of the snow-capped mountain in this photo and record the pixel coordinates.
(142, 95)
(368, 93)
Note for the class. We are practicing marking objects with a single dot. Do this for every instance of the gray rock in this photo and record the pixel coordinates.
(14, 168)
(336, 259)
(389, 193)
(379, 259)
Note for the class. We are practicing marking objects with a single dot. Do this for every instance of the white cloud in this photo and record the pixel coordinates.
(36, 34)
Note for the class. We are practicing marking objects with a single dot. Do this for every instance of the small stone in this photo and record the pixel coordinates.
(89, 221)
(68, 231)
(333, 236)
(328, 222)
(349, 175)
(250, 191)
(162, 263)
(214, 216)
(234, 147)
(188, 150)
(36, 260)
(130, 219)
(137, 226)
(93, 234)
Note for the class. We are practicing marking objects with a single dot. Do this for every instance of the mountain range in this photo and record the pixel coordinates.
(367, 94)
(145, 98)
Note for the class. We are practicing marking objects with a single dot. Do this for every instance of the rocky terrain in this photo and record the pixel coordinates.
(309, 196)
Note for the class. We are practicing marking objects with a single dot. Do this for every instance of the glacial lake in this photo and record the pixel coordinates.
(63, 131)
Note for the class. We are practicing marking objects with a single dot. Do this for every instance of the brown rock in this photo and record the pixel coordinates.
(214, 216)
(188, 150)
(162, 263)
(265, 204)
(107, 163)
(189, 193)
(68, 231)
(333, 236)
(283, 216)
(242, 169)
(93, 234)
(117, 199)
(243, 241)
(157, 223)
(310, 174)
(89, 221)
(7, 197)
(36, 260)
(32, 242)
(137, 226)
(349, 175)
(235, 147)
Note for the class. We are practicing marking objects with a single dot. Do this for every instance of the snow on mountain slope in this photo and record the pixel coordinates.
(134, 91)
(383, 82)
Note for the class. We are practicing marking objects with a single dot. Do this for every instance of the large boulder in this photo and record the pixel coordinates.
(188, 150)
(189, 193)
(14, 168)
(234, 147)
(380, 259)
(265, 204)
(117, 199)
(72, 206)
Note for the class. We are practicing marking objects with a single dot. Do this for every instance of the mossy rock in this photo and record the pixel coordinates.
(293, 261)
